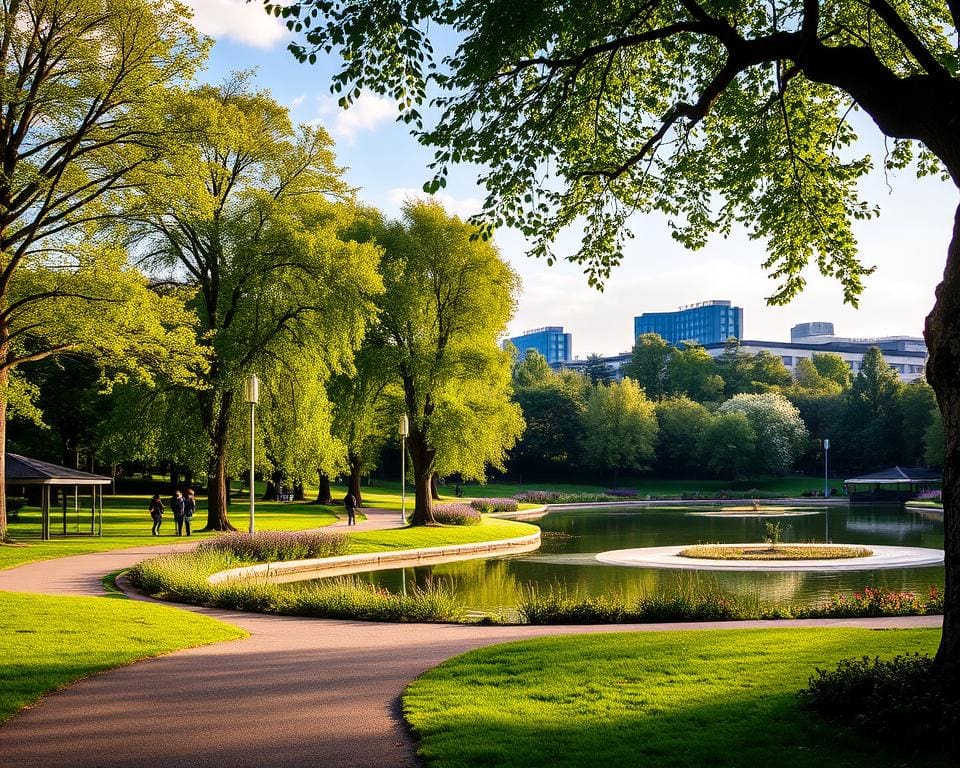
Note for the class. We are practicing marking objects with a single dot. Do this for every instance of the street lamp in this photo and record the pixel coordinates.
(826, 482)
(404, 431)
(251, 393)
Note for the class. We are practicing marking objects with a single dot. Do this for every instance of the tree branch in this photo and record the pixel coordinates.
(910, 41)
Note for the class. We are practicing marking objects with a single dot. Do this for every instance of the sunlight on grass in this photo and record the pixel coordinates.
(657, 700)
(48, 642)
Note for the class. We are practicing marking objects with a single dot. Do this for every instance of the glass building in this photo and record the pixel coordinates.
(708, 322)
(551, 342)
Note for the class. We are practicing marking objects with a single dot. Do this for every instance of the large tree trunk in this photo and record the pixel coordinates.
(174, 476)
(422, 457)
(434, 490)
(323, 490)
(4, 375)
(217, 496)
(942, 334)
(297, 490)
(356, 467)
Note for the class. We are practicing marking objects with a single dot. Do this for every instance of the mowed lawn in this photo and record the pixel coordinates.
(48, 642)
(720, 698)
(126, 523)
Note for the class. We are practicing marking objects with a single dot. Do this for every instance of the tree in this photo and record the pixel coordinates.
(873, 422)
(682, 424)
(553, 413)
(781, 436)
(250, 218)
(735, 367)
(532, 370)
(714, 113)
(832, 367)
(448, 299)
(728, 443)
(933, 443)
(83, 88)
(620, 427)
(917, 403)
(768, 373)
(649, 364)
(692, 372)
(597, 370)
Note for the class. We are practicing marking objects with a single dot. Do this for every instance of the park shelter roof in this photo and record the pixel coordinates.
(22, 470)
(897, 475)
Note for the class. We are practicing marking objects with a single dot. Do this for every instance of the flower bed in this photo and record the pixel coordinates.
(458, 513)
(779, 552)
(495, 505)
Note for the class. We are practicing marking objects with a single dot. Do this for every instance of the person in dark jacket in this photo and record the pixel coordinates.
(350, 504)
(156, 512)
(189, 507)
(177, 504)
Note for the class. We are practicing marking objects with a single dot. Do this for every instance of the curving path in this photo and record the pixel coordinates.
(298, 692)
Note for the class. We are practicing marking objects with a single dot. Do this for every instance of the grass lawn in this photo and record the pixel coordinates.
(724, 698)
(126, 523)
(491, 529)
(49, 642)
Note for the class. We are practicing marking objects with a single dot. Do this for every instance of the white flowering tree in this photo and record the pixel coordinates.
(781, 436)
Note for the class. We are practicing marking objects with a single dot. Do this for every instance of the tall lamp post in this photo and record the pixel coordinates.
(826, 482)
(404, 431)
(251, 392)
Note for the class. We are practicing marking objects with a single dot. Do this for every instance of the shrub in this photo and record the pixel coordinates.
(623, 493)
(270, 546)
(457, 513)
(538, 497)
(495, 505)
(904, 700)
(876, 601)
(932, 495)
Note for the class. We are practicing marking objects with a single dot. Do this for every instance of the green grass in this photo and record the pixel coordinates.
(725, 699)
(491, 529)
(784, 486)
(126, 523)
(49, 642)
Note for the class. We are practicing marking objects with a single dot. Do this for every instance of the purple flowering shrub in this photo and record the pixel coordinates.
(270, 546)
(623, 493)
(457, 513)
(931, 495)
(495, 505)
(538, 497)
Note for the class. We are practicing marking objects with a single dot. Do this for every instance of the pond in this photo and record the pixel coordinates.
(572, 538)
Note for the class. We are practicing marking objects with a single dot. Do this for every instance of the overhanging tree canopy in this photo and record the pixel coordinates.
(715, 112)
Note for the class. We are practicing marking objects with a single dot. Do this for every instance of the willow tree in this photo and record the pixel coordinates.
(249, 218)
(716, 113)
(81, 97)
(447, 300)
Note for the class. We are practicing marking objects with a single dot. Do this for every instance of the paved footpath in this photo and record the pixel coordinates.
(297, 692)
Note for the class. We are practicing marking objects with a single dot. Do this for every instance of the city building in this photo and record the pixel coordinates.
(709, 322)
(550, 341)
(907, 355)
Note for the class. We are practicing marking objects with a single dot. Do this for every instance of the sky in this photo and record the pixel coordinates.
(907, 243)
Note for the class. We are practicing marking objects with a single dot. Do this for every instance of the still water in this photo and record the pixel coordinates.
(571, 538)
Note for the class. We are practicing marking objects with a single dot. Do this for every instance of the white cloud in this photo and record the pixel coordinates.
(297, 101)
(237, 20)
(366, 113)
(462, 207)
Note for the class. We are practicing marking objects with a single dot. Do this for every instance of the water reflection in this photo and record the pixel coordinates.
(570, 538)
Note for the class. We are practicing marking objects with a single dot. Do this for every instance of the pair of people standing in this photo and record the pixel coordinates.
(183, 508)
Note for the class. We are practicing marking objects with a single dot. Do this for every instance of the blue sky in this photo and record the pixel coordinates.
(907, 243)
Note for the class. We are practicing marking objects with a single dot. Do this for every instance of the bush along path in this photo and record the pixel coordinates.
(296, 692)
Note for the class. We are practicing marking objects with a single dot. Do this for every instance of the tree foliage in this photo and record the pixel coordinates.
(620, 427)
(781, 435)
(251, 218)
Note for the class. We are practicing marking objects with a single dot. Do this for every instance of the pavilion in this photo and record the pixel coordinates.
(896, 484)
(24, 471)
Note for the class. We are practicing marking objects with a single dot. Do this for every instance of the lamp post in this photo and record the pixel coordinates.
(251, 392)
(826, 482)
(404, 431)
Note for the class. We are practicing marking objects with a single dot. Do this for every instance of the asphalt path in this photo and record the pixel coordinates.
(297, 692)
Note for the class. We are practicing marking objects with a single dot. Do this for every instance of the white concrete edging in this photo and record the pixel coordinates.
(300, 570)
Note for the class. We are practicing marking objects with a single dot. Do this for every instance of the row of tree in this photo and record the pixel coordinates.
(162, 242)
(688, 403)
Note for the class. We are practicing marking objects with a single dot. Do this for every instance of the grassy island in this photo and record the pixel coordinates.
(779, 552)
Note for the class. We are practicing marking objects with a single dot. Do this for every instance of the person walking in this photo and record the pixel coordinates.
(189, 507)
(177, 505)
(350, 504)
(156, 512)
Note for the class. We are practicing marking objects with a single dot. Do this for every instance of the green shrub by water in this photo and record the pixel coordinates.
(183, 576)
(903, 700)
(272, 546)
(703, 600)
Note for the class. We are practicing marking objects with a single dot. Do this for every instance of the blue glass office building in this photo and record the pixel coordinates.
(551, 342)
(709, 322)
